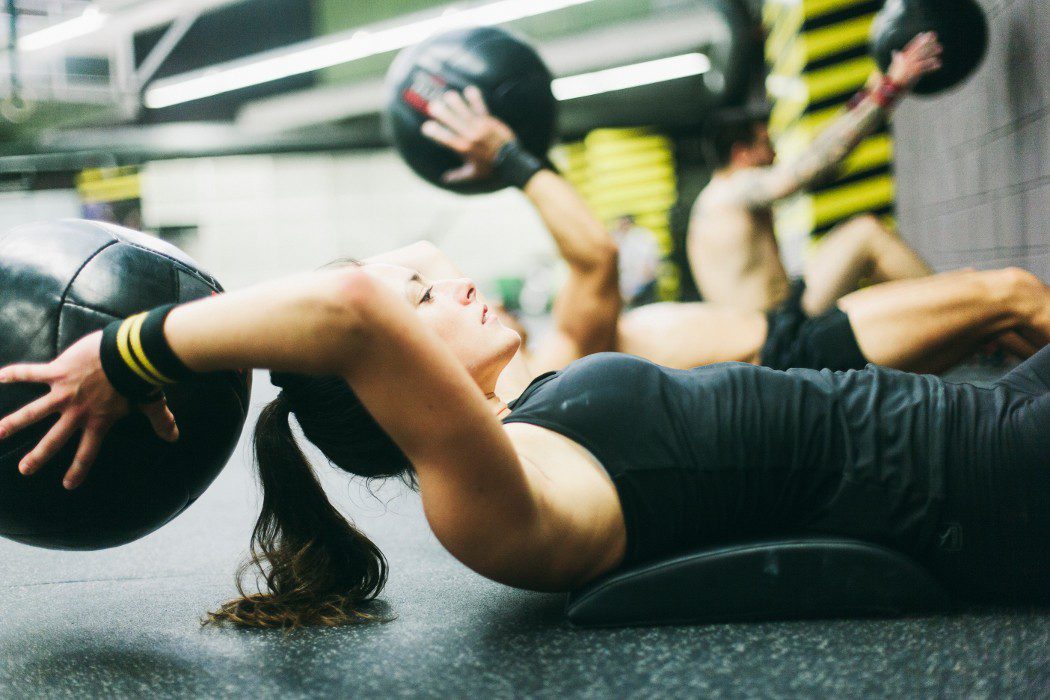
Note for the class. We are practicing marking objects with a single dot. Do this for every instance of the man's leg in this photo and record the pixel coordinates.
(686, 335)
(861, 247)
(930, 324)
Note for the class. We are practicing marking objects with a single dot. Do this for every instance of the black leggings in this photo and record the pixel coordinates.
(994, 541)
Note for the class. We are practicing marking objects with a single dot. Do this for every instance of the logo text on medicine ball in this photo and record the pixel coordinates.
(424, 89)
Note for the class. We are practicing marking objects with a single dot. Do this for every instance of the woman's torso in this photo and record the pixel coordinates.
(733, 451)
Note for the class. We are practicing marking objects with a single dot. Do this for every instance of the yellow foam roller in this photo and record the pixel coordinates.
(653, 220)
(620, 134)
(612, 208)
(597, 167)
(612, 145)
(658, 188)
(633, 177)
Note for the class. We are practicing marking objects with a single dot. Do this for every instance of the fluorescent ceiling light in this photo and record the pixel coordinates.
(86, 23)
(573, 86)
(359, 44)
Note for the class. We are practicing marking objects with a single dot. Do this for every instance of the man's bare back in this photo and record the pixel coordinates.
(732, 250)
(735, 256)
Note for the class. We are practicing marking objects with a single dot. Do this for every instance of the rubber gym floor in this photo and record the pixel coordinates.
(125, 623)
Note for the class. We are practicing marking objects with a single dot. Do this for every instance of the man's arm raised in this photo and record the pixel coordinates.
(759, 188)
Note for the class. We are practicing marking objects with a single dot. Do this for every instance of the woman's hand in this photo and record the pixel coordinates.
(922, 55)
(463, 124)
(85, 400)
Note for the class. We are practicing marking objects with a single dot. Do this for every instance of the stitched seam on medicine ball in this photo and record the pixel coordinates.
(206, 278)
(76, 305)
(65, 293)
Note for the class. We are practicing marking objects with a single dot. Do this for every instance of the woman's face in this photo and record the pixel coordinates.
(454, 310)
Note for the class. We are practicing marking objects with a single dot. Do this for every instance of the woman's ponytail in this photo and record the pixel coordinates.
(315, 567)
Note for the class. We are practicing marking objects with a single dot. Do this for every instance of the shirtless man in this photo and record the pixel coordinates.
(731, 246)
(917, 325)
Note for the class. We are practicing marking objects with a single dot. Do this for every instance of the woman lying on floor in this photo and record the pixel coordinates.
(611, 462)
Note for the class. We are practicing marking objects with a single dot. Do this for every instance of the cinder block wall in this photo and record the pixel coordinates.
(973, 165)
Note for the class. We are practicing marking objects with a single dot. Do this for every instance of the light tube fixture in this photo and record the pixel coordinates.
(656, 71)
(315, 56)
(89, 21)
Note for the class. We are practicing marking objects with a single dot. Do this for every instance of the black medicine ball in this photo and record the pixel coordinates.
(510, 74)
(961, 28)
(59, 281)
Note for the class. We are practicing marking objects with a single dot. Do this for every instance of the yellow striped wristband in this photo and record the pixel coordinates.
(136, 357)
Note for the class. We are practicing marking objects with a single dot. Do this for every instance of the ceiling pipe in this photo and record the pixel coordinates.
(634, 42)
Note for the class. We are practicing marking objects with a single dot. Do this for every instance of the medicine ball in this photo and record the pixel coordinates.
(60, 281)
(510, 74)
(961, 28)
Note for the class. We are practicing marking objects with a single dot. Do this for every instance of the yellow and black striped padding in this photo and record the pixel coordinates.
(623, 172)
(99, 185)
(817, 52)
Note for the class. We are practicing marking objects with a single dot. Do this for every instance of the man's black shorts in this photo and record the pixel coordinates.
(822, 342)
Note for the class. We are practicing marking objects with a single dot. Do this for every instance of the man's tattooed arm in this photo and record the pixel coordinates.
(759, 188)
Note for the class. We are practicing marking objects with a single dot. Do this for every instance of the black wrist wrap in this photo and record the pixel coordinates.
(515, 166)
(137, 359)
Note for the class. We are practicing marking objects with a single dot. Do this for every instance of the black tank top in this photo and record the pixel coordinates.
(734, 451)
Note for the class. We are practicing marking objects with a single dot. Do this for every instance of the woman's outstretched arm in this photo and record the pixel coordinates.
(344, 322)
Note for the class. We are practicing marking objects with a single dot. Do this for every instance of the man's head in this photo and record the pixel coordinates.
(742, 142)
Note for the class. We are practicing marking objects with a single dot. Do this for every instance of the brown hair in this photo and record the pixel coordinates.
(734, 126)
(315, 567)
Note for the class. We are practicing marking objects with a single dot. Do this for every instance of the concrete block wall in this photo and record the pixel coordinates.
(258, 217)
(973, 165)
